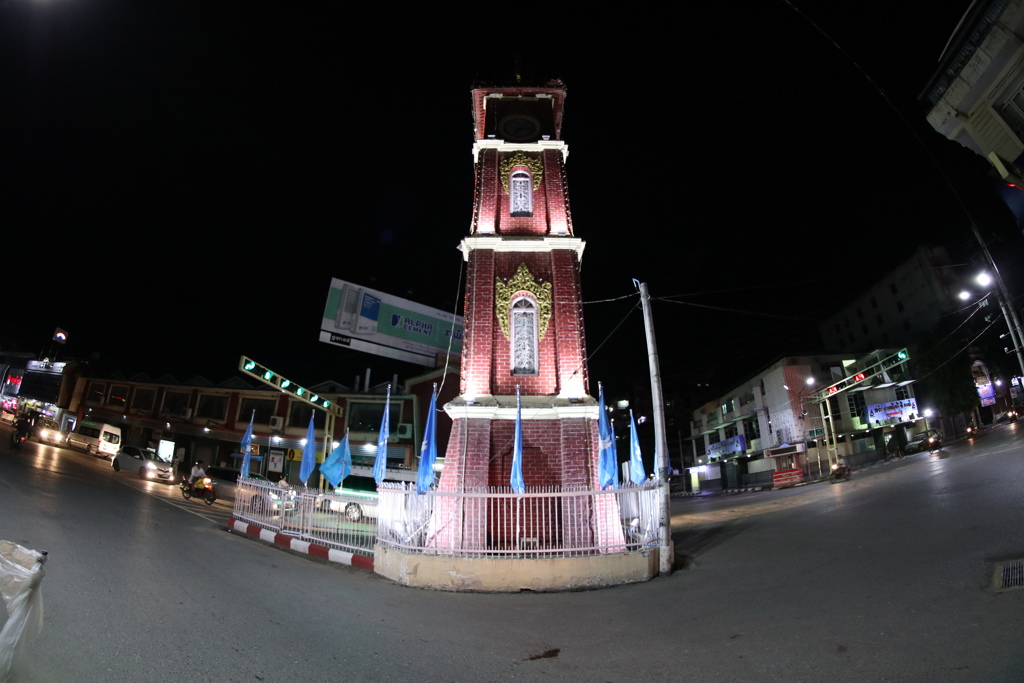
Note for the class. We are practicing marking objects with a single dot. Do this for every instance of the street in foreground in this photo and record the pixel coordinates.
(884, 577)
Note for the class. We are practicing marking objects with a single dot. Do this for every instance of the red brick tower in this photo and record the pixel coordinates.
(523, 317)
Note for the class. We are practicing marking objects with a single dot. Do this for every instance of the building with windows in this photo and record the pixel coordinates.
(901, 308)
(798, 414)
(976, 95)
(200, 420)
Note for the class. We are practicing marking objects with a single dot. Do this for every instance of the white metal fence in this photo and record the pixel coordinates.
(492, 522)
(345, 521)
(497, 522)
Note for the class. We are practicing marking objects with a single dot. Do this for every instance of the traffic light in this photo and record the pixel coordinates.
(268, 376)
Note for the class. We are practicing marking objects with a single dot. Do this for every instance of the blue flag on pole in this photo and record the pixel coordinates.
(338, 464)
(636, 461)
(381, 463)
(516, 479)
(247, 446)
(428, 451)
(308, 453)
(607, 459)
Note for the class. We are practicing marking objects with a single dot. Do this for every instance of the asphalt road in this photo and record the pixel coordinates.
(882, 578)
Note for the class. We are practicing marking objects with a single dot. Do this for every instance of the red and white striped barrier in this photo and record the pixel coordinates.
(300, 546)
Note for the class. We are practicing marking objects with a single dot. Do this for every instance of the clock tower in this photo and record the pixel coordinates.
(523, 308)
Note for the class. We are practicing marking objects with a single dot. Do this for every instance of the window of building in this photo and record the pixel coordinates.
(143, 399)
(212, 406)
(263, 407)
(521, 193)
(855, 401)
(731, 431)
(752, 429)
(524, 336)
(96, 392)
(1013, 112)
(118, 395)
(902, 392)
(729, 406)
(175, 402)
(298, 416)
(366, 416)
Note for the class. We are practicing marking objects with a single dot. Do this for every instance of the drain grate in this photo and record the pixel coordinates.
(1009, 575)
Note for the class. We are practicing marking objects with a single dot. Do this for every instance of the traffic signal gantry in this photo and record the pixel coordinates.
(271, 378)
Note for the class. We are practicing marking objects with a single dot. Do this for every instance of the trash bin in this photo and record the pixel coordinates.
(21, 572)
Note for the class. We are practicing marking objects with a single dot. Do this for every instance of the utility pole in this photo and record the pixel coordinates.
(1009, 313)
(665, 549)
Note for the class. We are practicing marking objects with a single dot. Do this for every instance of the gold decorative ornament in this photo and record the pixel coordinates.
(535, 165)
(522, 281)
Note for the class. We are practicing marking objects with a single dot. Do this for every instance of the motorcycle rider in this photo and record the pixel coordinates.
(197, 472)
(21, 428)
(842, 466)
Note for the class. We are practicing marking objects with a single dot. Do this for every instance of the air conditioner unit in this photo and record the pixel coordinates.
(276, 422)
(405, 430)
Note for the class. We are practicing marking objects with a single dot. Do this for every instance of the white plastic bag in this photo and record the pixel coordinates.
(21, 572)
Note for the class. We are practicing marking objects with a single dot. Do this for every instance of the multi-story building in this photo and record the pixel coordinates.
(901, 308)
(976, 95)
(800, 413)
(201, 420)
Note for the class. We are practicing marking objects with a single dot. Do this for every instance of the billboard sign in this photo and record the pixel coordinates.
(893, 412)
(736, 444)
(367, 320)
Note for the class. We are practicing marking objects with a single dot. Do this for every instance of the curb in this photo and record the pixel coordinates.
(304, 547)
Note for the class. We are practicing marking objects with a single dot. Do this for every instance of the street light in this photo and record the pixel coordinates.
(1009, 314)
(800, 395)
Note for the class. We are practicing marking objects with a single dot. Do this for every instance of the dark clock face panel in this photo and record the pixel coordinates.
(519, 128)
(520, 119)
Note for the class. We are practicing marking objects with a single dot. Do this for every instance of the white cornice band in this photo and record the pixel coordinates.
(502, 146)
(521, 244)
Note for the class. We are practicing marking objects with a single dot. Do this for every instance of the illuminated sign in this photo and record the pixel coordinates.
(374, 322)
(904, 410)
(736, 444)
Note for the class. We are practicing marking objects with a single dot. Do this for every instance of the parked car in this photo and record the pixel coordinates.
(272, 498)
(144, 462)
(48, 431)
(926, 440)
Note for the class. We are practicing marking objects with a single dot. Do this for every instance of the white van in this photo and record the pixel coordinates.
(96, 438)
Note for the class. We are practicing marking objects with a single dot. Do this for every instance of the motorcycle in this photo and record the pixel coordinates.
(202, 488)
(840, 473)
(18, 438)
(972, 431)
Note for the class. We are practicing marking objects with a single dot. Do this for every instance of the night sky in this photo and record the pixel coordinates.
(182, 180)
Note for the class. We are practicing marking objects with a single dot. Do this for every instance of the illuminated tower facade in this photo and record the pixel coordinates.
(523, 310)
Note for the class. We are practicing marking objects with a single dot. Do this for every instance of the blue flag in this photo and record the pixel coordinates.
(636, 461)
(381, 463)
(428, 451)
(607, 459)
(516, 479)
(247, 446)
(338, 464)
(308, 453)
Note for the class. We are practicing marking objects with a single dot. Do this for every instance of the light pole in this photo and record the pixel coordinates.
(1009, 314)
(800, 396)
